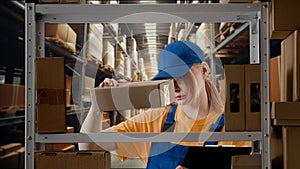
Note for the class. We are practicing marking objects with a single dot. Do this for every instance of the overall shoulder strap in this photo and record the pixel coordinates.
(168, 125)
(216, 127)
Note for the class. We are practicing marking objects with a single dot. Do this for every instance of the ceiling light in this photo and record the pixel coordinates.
(147, 2)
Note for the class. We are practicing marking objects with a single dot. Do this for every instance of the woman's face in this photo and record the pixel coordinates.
(187, 88)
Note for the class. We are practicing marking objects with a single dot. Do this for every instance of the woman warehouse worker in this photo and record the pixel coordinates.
(198, 106)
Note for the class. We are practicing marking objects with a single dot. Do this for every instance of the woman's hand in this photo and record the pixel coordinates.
(107, 82)
(180, 167)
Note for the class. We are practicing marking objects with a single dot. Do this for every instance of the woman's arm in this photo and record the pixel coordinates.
(92, 123)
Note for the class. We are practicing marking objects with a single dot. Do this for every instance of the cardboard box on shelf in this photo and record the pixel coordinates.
(68, 97)
(51, 118)
(289, 64)
(69, 82)
(94, 46)
(276, 147)
(73, 160)
(235, 98)
(61, 146)
(108, 54)
(286, 113)
(147, 94)
(246, 162)
(68, 90)
(274, 79)
(13, 95)
(283, 21)
(71, 39)
(89, 83)
(59, 31)
(51, 108)
(291, 139)
(252, 97)
(295, 53)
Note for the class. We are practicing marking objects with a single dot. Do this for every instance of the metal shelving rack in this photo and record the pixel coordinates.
(255, 14)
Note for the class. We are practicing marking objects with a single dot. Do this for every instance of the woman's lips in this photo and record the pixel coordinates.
(179, 97)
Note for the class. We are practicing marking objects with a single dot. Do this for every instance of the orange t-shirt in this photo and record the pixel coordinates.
(153, 121)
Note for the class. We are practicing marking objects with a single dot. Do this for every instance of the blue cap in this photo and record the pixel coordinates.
(177, 58)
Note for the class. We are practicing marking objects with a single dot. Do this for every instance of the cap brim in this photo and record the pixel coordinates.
(172, 72)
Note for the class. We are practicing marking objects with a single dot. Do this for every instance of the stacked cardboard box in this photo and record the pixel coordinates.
(283, 21)
(61, 146)
(246, 162)
(68, 90)
(286, 113)
(13, 96)
(289, 68)
(242, 107)
(73, 160)
(94, 44)
(109, 54)
(63, 34)
(291, 139)
(284, 85)
(203, 37)
(120, 63)
(50, 85)
(133, 95)
(274, 79)
(287, 116)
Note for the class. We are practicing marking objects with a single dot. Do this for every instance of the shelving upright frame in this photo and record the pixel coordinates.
(36, 15)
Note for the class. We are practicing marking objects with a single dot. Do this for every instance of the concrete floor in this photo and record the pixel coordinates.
(133, 163)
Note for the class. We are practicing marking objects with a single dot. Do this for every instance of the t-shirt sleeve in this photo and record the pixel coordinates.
(150, 121)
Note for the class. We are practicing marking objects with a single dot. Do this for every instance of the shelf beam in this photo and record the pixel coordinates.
(148, 137)
(154, 13)
(7, 121)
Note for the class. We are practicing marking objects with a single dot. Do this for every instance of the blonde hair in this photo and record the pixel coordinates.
(214, 99)
(215, 102)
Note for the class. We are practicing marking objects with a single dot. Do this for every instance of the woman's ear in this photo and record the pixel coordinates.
(205, 69)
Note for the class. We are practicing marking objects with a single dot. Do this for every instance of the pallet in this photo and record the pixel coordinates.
(11, 110)
(62, 43)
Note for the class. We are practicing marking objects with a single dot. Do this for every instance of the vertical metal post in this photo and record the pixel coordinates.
(212, 54)
(82, 77)
(254, 41)
(265, 101)
(40, 36)
(40, 52)
(30, 55)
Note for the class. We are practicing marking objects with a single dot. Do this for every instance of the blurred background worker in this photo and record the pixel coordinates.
(198, 106)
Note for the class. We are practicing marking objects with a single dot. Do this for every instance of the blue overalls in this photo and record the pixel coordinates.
(164, 155)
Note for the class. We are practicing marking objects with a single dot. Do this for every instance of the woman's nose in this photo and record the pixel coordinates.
(177, 88)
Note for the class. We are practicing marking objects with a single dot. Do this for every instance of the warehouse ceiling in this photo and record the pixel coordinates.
(12, 36)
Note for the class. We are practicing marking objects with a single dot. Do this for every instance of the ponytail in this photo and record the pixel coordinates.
(214, 99)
